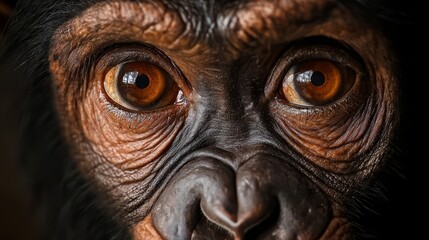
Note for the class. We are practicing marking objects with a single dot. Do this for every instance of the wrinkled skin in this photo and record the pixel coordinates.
(235, 156)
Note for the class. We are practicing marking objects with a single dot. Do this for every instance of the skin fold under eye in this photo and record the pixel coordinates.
(316, 82)
(140, 86)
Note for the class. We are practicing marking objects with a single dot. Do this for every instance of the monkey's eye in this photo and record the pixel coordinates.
(316, 82)
(141, 86)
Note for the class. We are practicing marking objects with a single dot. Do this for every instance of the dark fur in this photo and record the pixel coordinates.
(66, 206)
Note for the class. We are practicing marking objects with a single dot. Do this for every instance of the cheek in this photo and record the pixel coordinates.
(322, 139)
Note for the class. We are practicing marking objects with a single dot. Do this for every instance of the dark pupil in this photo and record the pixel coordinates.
(142, 81)
(317, 79)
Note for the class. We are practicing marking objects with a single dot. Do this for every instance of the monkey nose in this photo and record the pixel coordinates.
(251, 207)
(264, 199)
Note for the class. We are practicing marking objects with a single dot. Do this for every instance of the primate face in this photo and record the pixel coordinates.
(225, 119)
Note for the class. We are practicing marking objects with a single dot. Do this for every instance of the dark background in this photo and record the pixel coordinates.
(403, 217)
(16, 218)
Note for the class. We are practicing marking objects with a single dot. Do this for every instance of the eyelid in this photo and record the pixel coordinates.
(118, 53)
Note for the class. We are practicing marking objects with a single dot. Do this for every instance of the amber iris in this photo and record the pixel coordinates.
(140, 86)
(317, 82)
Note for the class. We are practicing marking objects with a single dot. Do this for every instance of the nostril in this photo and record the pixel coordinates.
(268, 224)
(249, 225)
(206, 229)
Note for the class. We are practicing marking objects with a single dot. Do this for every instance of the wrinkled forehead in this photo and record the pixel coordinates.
(196, 29)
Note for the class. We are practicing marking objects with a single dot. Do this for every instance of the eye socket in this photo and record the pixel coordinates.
(316, 82)
(141, 86)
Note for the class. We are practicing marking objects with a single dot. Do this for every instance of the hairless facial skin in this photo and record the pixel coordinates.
(203, 119)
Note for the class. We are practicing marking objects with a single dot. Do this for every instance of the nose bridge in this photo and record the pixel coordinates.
(230, 100)
(239, 132)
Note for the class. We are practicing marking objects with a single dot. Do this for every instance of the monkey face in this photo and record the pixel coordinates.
(225, 119)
